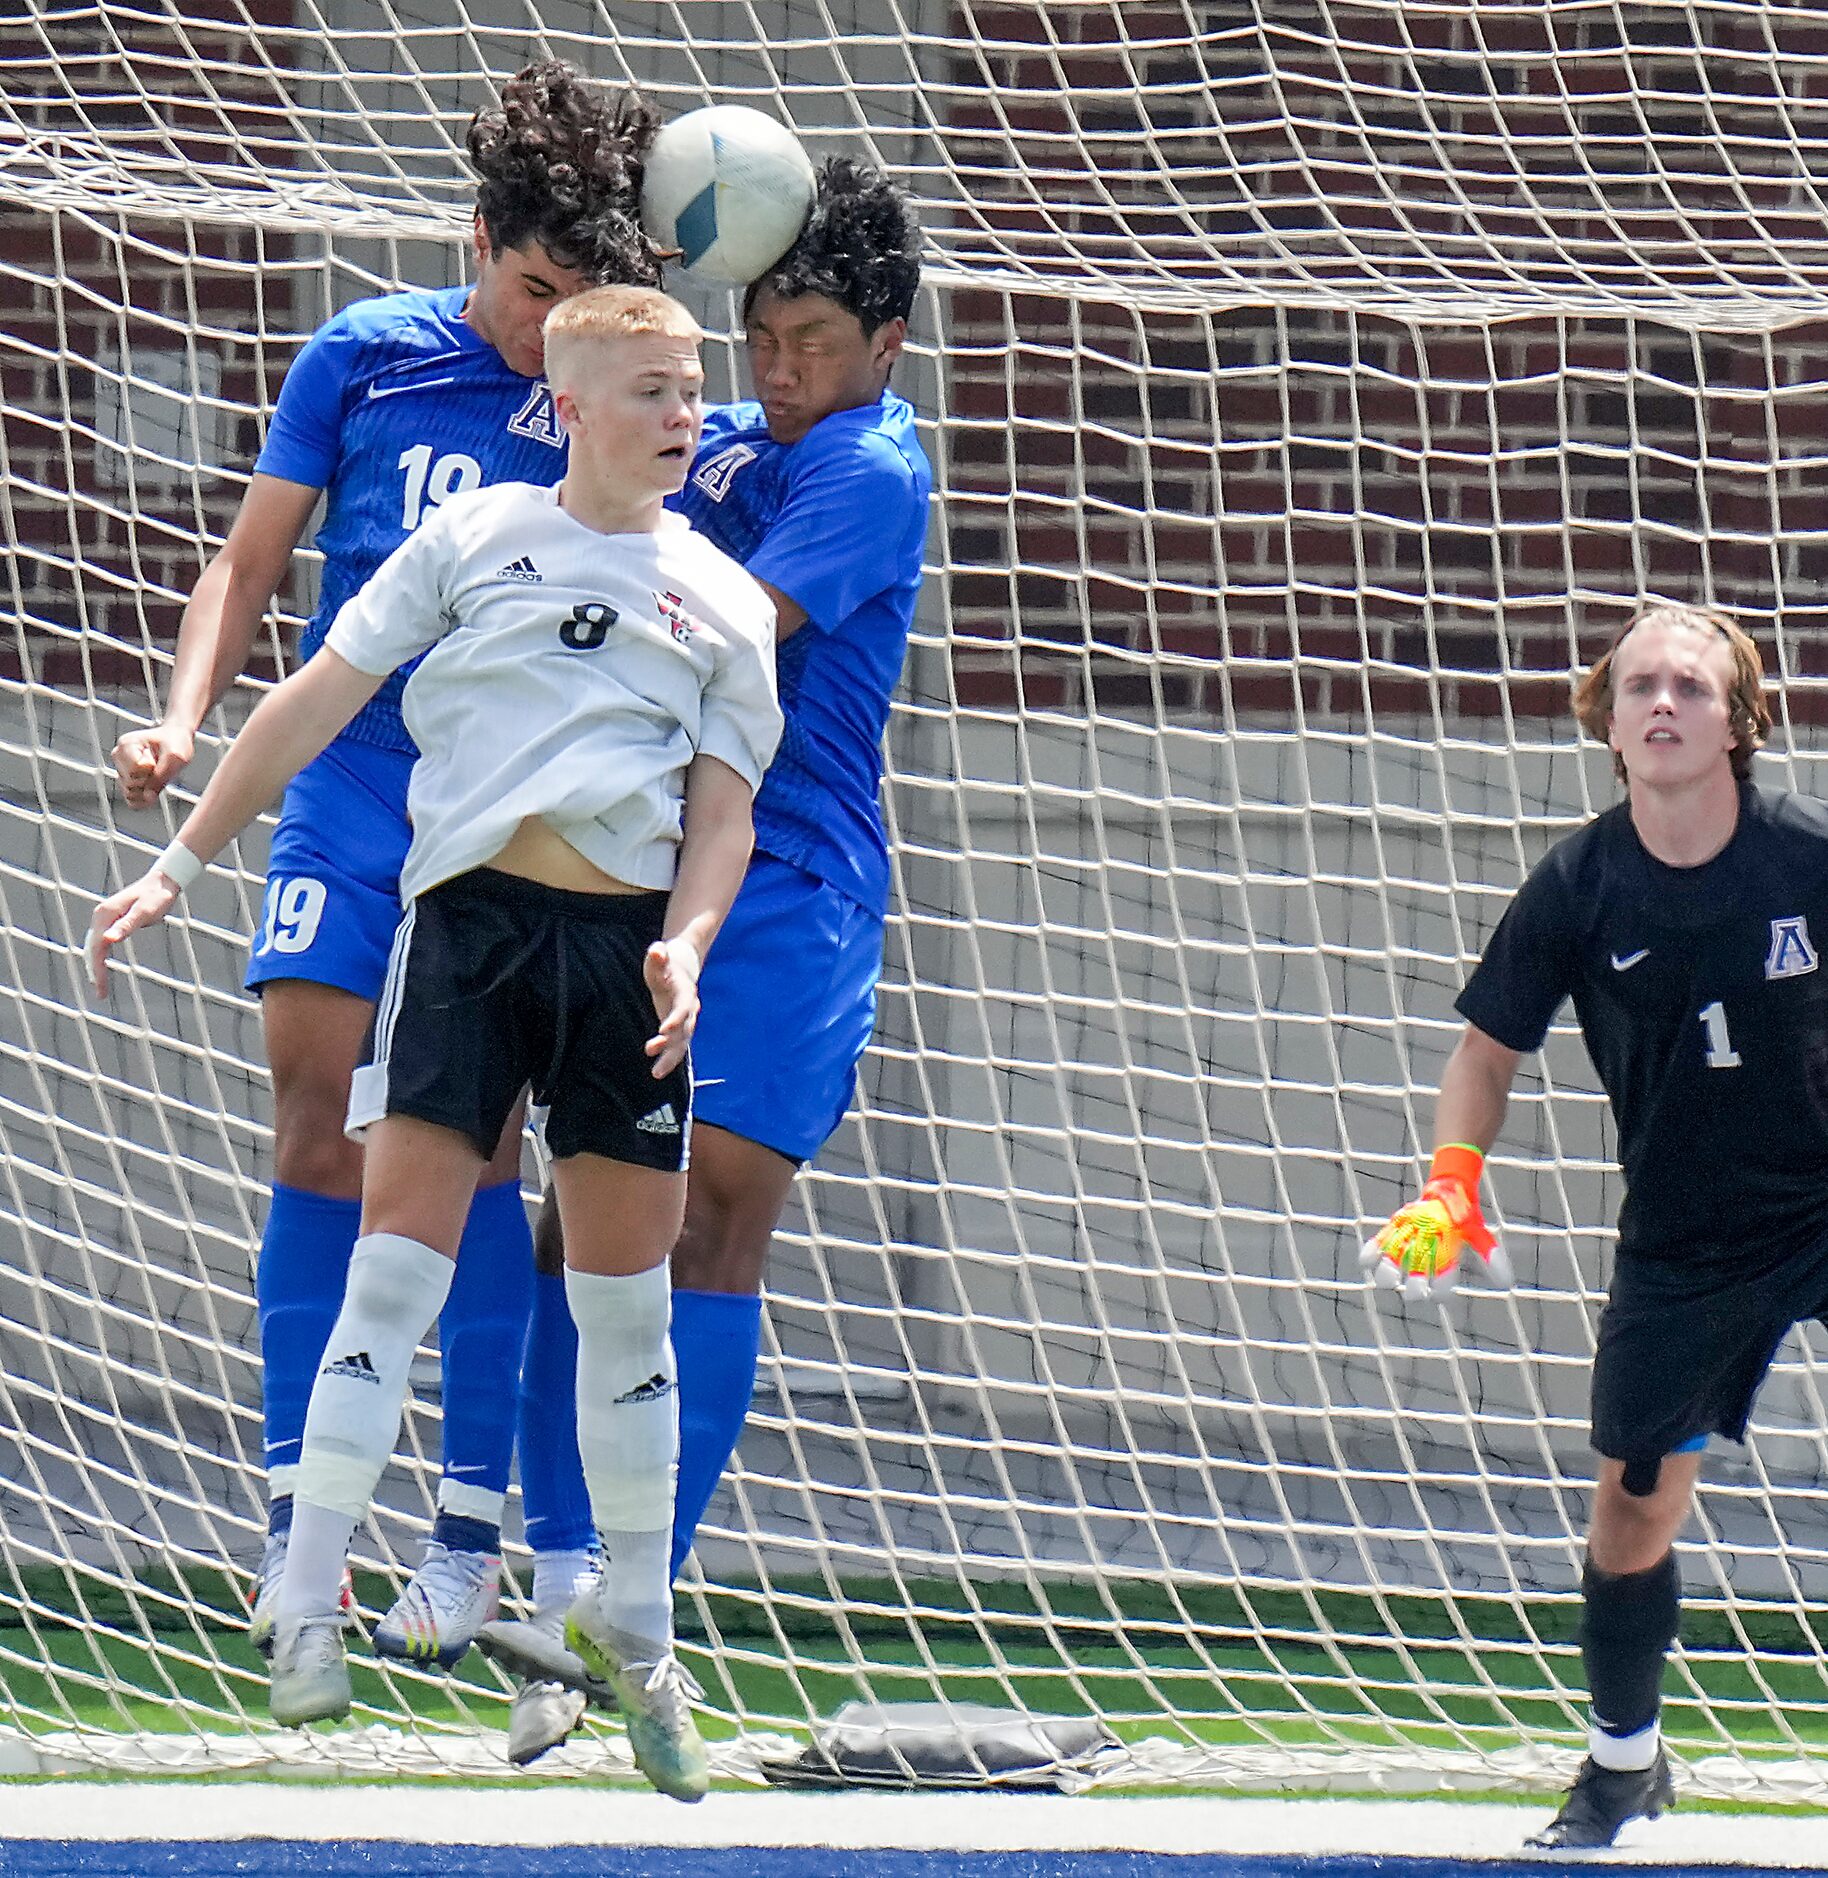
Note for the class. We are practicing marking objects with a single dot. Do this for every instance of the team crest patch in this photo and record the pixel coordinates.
(715, 477)
(679, 622)
(537, 419)
(1791, 954)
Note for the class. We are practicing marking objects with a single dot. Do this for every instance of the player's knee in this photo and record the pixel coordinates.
(1632, 1532)
(719, 1248)
(733, 1204)
(310, 1150)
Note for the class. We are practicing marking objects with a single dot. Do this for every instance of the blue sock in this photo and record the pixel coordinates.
(303, 1267)
(480, 1334)
(457, 1534)
(552, 1487)
(717, 1340)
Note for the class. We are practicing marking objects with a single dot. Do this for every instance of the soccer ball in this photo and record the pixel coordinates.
(728, 188)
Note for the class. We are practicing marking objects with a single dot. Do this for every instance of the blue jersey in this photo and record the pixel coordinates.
(836, 522)
(393, 406)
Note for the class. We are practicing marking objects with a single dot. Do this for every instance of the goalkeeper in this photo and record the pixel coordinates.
(1686, 925)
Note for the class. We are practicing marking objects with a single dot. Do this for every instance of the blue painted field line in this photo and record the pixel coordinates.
(39, 1858)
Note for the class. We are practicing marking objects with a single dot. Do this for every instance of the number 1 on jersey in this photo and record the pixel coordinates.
(1720, 1051)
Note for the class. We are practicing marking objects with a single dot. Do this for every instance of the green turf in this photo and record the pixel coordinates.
(1426, 1673)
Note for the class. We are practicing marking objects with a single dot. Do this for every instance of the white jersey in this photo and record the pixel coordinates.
(568, 674)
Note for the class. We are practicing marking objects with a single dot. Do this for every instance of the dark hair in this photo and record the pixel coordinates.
(558, 161)
(860, 247)
(1748, 713)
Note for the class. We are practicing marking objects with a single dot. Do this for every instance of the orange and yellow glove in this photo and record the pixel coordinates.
(1418, 1253)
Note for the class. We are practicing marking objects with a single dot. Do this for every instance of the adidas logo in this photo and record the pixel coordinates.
(523, 569)
(662, 1121)
(357, 1368)
(655, 1389)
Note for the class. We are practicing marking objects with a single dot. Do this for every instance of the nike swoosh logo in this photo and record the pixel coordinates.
(415, 384)
(1630, 959)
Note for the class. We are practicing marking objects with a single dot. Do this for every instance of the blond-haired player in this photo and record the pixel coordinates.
(594, 708)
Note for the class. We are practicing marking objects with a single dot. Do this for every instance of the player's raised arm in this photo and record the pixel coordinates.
(1418, 1251)
(217, 634)
(719, 837)
(290, 726)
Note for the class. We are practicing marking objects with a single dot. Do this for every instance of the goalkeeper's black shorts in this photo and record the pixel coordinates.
(1684, 1345)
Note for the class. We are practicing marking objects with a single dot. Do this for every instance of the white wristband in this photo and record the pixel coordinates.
(178, 865)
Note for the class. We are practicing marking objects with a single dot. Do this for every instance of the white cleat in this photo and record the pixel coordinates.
(448, 1600)
(266, 1592)
(545, 1711)
(653, 1693)
(310, 1676)
(543, 1717)
(555, 1687)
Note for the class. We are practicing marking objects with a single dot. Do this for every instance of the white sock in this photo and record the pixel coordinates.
(628, 1438)
(396, 1289)
(1624, 1753)
(315, 1552)
(558, 1577)
(638, 1583)
(468, 1502)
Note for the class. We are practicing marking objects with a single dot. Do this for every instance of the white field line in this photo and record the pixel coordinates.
(961, 1822)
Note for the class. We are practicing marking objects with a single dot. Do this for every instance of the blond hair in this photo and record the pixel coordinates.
(602, 313)
(1748, 714)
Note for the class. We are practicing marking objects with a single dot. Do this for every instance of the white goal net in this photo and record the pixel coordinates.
(1310, 387)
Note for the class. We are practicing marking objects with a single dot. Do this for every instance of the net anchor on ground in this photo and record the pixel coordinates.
(943, 1744)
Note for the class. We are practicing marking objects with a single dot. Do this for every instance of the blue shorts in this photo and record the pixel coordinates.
(333, 873)
(789, 1001)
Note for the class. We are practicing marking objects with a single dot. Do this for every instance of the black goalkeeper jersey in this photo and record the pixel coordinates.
(1703, 1002)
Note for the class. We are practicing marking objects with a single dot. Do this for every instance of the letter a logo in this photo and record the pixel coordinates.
(716, 476)
(1791, 954)
(537, 419)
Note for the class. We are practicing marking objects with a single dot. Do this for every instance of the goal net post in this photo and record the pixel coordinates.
(1303, 417)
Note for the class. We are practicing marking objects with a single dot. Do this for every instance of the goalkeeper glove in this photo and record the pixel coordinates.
(1418, 1252)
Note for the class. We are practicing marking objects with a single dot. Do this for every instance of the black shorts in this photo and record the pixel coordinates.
(1683, 1347)
(496, 984)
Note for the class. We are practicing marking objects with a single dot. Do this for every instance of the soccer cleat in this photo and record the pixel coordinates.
(266, 1593)
(310, 1675)
(1602, 1800)
(652, 1692)
(532, 1651)
(448, 1599)
(543, 1717)
(544, 1712)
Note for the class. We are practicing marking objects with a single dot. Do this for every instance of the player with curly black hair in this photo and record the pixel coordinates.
(394, 406)
(860, 249)
(558, 163)
(820, 489)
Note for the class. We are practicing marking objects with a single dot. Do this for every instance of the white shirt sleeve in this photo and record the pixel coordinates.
(741, 724)
(403, 607)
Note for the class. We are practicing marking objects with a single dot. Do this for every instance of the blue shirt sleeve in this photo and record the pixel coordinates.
(831, 547)
(305, 437)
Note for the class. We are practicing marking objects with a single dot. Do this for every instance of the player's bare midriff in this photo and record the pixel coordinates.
(535, 852)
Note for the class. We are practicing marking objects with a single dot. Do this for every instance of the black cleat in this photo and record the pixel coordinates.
(1601, 1801)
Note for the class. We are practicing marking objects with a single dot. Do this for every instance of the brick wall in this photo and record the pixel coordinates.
(107, 546)
(1265, 509)
(1151, 503)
